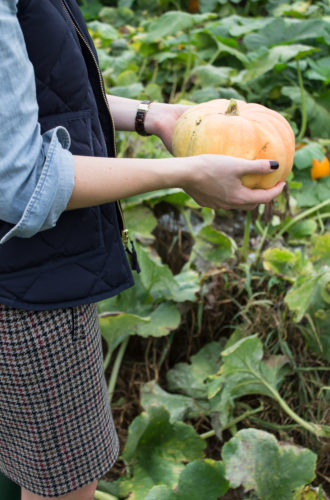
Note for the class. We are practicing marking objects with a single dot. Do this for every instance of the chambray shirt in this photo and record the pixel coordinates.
(36, 171)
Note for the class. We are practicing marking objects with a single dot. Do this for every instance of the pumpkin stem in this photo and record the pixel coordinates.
(232, 108)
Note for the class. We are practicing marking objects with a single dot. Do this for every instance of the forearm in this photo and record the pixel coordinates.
(123, 111)
(101, 180)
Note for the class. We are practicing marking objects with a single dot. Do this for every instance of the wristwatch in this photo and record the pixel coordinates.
(140, 117)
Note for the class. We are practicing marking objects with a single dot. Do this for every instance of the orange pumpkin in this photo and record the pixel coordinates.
(320, 168)
(240, 129)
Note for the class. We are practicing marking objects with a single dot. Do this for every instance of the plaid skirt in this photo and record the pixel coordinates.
(56, 429)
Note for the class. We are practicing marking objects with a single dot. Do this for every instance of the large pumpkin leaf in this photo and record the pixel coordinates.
(243, 372)
(255, 460)
(156, 451)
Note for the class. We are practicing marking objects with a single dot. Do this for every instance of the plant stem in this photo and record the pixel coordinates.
(317, 430)
(303, 104)
(107, 359)
(276, 427)
(302, 215)
(263, 237)
(186, 217)
(116, 368)
(245, 248)
(235, 421)
(101, 495)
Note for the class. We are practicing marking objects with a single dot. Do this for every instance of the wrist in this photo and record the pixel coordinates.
(155, 118)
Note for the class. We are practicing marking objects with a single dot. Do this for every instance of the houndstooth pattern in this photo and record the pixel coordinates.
(56, 428)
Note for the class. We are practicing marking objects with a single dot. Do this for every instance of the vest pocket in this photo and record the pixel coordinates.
(79, 126)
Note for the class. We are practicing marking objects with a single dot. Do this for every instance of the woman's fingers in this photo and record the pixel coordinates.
(257, 167)
(257, 196)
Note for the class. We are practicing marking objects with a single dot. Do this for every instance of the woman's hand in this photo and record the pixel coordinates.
(215, 182)
(161, 119)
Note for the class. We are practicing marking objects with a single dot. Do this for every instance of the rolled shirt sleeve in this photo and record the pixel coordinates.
(36, 171)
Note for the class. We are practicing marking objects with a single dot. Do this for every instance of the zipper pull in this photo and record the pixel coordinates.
(124, 237)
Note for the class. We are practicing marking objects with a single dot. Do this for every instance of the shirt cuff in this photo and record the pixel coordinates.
(53, 190)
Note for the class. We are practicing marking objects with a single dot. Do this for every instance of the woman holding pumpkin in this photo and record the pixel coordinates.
(64, 243)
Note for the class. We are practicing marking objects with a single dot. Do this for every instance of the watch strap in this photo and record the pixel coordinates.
(140, 117)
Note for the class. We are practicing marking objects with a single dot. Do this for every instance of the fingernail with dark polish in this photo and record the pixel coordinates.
(274, 164)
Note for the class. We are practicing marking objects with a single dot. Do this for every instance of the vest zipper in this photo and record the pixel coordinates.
(124, 230)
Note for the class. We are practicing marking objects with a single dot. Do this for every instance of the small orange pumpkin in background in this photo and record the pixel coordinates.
(240, 129)
(320, 168)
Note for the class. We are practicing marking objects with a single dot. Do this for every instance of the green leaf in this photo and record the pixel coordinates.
(130, 91)
(190, 379)
(165, 318)
(283, 261)
(116, 326)
(325, 287)
(320, 248)
(198, 480)
(161, 493)
(278, 31)
(312, 192)
(212, 75)
(320, 69)
(303, 228)
(212, 246)
(255, 460)
(117, 16)
(309, 493)
(90, 9)
(301, 295)
(111, 488)
(156, 451)
(318, 110)
(267, 59)
(170, 23)
(103, 30)
(178, 406)
(159, 281)
(140, 221)
(243, 372)
(150, 196)
(303, 157)
(202, 480)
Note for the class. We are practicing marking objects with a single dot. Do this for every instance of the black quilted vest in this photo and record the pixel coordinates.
(82, 259)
